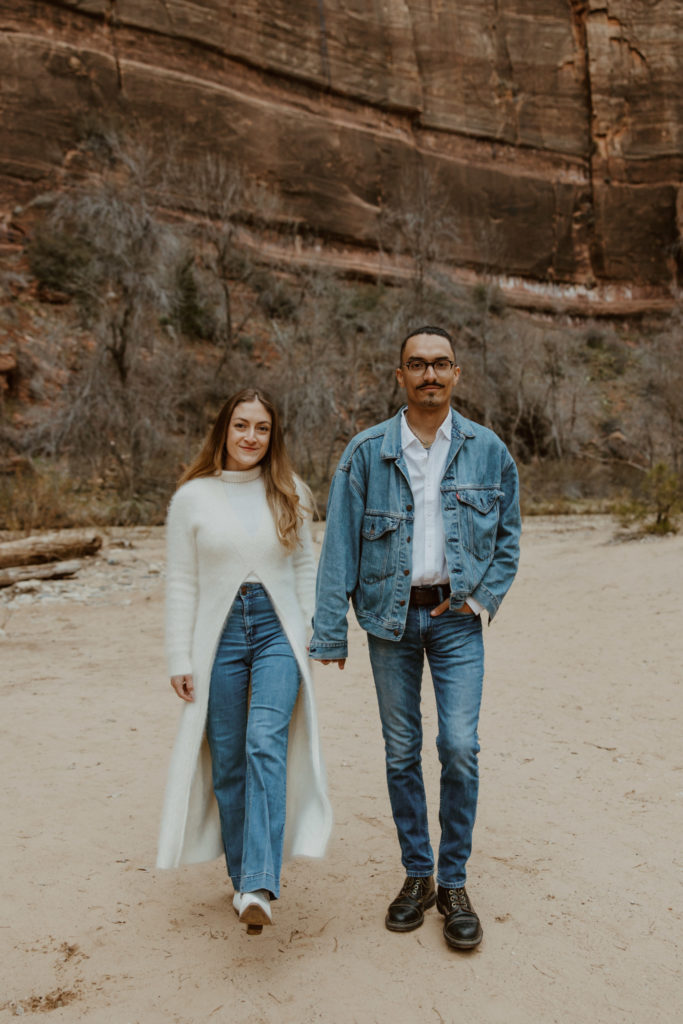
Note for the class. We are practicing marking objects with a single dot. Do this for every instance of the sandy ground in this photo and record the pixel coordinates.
(577, 854)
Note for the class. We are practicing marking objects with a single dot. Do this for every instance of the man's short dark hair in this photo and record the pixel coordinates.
(426, 330)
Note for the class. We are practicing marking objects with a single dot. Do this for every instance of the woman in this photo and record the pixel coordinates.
(240, 595)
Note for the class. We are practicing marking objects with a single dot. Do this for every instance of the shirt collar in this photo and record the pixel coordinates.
(446, 428)
(408, 437)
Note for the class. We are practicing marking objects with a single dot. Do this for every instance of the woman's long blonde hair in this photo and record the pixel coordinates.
(278, 473)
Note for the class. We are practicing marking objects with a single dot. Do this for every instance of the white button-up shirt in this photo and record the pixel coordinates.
(426, 468)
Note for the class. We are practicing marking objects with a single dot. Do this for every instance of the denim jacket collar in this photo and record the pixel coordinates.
(391, 445)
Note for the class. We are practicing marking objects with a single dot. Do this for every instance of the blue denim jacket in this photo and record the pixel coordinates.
(366, 554)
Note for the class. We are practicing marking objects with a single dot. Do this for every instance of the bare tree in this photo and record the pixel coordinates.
(115, 405)
(660, 386)
(335, 367)
(420, 223)
(223, 200)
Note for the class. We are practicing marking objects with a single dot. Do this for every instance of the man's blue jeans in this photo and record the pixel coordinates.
(248, 737)
(455, 652)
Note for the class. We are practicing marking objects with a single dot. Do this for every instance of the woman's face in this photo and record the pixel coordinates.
(248, 435)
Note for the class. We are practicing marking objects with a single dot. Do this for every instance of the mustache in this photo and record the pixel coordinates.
(429, 384)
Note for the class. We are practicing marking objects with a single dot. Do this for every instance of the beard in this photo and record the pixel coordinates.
(430, 397)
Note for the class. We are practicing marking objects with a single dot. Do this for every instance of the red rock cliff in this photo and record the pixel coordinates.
(553, 126)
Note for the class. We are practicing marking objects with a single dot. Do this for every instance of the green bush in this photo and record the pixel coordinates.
(658, 504)
(58, 260)
(190, 311)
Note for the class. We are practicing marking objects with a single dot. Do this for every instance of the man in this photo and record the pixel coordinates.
(422, 534)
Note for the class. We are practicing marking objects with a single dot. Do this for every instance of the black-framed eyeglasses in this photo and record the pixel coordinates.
(442, 366)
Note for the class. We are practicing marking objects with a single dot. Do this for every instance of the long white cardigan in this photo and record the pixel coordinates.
(209, 554)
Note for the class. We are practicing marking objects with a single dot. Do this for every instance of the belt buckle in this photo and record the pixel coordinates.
(425, 596)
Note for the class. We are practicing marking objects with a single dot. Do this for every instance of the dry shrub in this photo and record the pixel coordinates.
(657, 505)
(553, 487)
(39, 499)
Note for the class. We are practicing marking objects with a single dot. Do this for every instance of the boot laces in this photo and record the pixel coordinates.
(459, 900)
(412, 887)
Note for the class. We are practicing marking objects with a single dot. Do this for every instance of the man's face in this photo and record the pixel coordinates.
(429, 388)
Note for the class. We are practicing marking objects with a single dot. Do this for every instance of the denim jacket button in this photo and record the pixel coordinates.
(396, 632)
(406, 572)
(409, 508)
(401, 603)
(408, 540)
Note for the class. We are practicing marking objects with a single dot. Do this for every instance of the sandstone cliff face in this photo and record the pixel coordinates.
(552, 126)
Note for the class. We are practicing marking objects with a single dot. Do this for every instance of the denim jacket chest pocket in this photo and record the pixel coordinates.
(478, 511)
(379, 546)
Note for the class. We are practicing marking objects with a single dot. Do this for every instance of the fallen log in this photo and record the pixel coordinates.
(51, 571)
(49, 547)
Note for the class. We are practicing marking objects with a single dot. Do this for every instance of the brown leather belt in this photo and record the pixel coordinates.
(426, 597)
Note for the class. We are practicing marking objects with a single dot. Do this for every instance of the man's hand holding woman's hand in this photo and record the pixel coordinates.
(184, 687)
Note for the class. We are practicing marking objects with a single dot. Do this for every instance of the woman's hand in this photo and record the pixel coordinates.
(184, 687)
(339, 662)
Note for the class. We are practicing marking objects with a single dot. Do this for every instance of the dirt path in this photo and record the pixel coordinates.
(577, 855)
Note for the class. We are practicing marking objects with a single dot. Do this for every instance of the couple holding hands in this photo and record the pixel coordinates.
(422, 534)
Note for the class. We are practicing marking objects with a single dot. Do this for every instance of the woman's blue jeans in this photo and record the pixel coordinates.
(455, 652)
(248, 734)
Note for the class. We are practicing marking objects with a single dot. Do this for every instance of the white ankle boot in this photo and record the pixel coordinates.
(255, 908)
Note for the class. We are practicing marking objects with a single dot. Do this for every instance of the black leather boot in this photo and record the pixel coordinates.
(407, 910)
(462, 928)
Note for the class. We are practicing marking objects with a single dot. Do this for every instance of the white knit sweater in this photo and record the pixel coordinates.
(211, 549)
